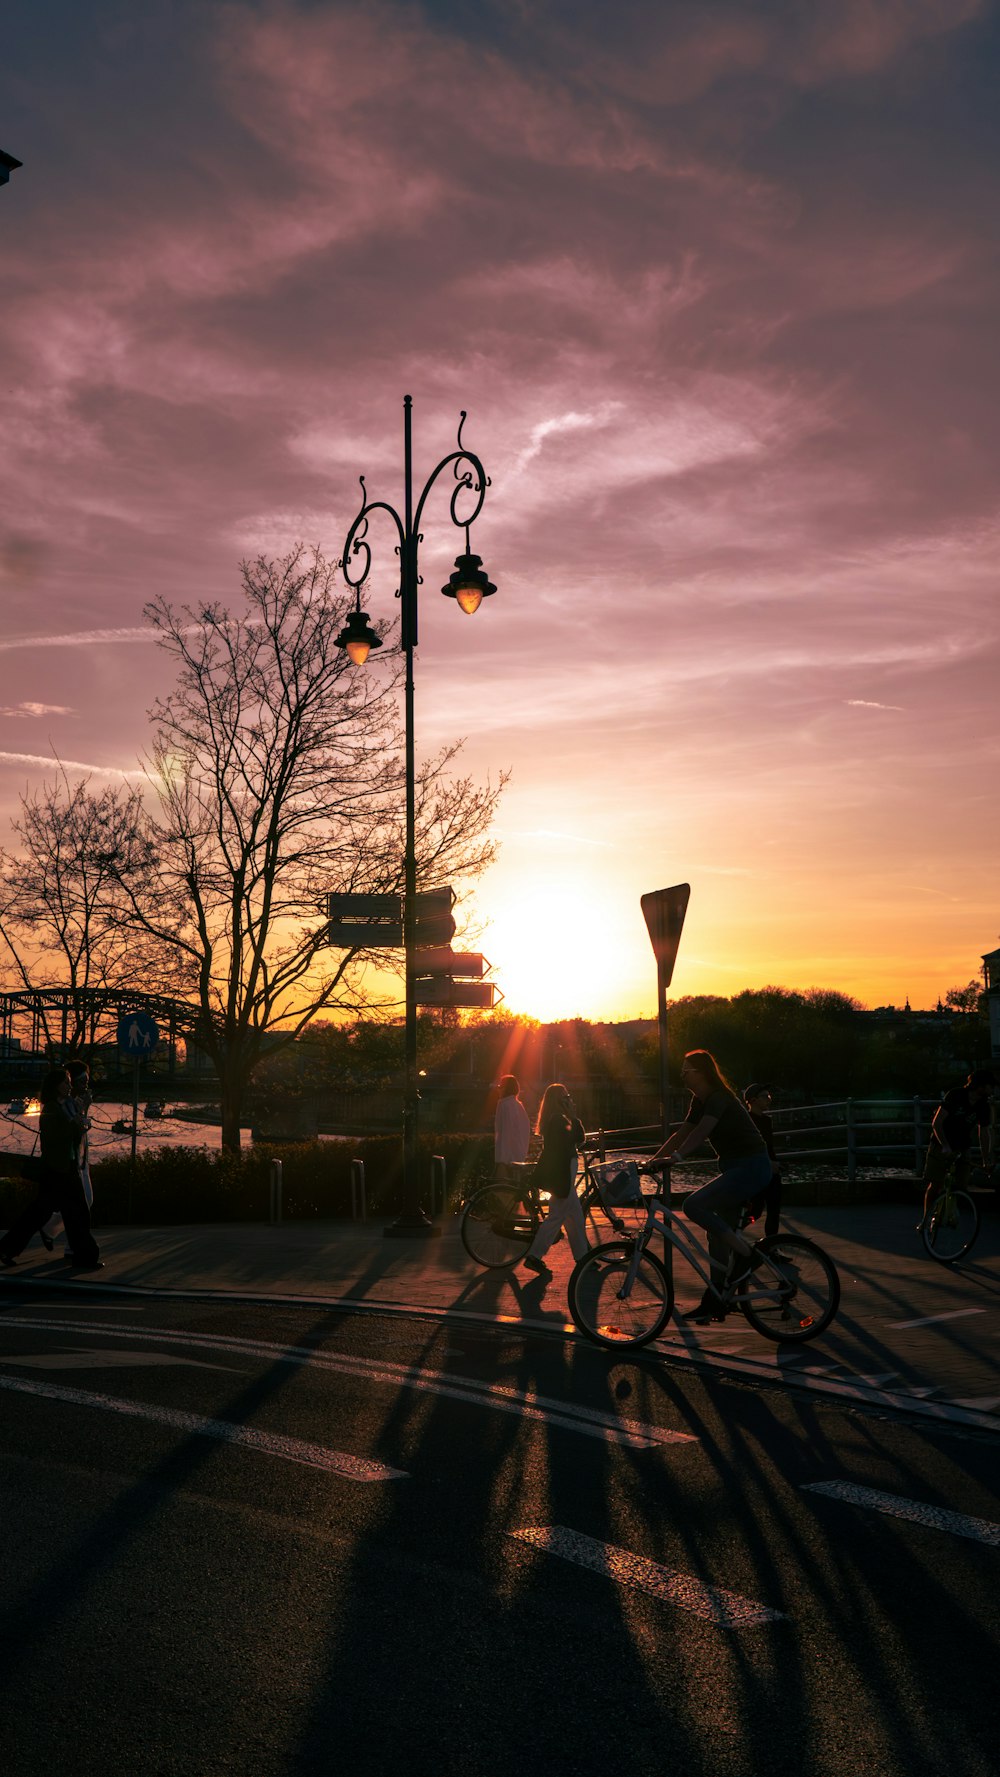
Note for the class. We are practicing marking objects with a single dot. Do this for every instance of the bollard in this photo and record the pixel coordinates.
(439, 1184)
(359, 1208)
(276, 1192)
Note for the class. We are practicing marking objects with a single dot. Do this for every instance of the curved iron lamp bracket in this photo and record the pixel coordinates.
(356, 545)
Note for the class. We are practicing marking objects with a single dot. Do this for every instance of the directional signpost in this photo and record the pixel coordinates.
(436, 976)
(138, 1035)
(369, 922)
(446, 977)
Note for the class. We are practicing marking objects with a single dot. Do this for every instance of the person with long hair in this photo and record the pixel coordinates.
(511, 1130)
(561, 1132)
(716, 1115)
(61, 1186)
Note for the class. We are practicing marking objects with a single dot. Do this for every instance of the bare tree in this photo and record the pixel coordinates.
(62, 900)
(279, 773)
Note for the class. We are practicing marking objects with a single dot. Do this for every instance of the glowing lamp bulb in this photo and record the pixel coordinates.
(358, 651)
(469, 599)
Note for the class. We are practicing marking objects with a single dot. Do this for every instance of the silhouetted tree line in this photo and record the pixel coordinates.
(813, 1045)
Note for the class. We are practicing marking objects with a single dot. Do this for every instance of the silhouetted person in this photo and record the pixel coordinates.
(61, 1187)
(963, 1111)
(715, 1115)
(758, 1100)
(76, 1107)
(561, 1132)
(511, 1130)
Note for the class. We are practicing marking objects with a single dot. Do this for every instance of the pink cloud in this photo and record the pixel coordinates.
(715, 287)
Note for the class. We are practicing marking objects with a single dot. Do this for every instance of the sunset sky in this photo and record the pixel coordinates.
(719, 287)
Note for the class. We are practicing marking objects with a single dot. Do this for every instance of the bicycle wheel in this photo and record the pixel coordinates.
(597, 1306)
(952, 1226)
(497, 1226)
(803, 1304)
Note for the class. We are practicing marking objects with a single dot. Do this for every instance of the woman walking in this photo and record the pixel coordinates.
(561, 1132)
(61, 1186)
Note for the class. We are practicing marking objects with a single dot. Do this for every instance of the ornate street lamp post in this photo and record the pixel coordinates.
(468, 585)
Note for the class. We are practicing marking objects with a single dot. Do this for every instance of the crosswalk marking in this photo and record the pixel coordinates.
(713, 1604)
(930, 1320)
(334, 1462)
(980, 1530)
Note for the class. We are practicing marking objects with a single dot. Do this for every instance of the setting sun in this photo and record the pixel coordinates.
(554, 949)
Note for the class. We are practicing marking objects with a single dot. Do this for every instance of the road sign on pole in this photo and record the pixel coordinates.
(442, 990)
(442, 960)
(434, 921)
(364, 934)
(137, 1034)
(664, 910)
(364, 907)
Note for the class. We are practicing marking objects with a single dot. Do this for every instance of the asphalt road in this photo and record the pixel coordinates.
(265, 1539)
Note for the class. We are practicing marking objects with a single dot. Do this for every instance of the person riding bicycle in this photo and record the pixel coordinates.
(963, 1110)
(716, 1115)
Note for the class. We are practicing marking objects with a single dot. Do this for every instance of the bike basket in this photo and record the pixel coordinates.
(619, 1183)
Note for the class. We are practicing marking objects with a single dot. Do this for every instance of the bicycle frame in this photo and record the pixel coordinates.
(660, 1215)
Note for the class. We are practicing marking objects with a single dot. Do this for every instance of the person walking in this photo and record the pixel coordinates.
(717, 1116)
(964, 1111)
(562, 1133)
(61, 1186)
(76, 1107)
(511, 1131)
(759, 1100)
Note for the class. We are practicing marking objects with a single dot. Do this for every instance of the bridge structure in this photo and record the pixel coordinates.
(39, 1024)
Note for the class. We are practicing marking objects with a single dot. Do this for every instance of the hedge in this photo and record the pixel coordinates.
(178, 1185)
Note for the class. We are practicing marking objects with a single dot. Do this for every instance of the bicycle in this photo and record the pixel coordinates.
(621, 1295)
(500, 1221)
(950, 1225)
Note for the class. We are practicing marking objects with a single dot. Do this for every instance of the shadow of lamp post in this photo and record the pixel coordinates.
(468, 586)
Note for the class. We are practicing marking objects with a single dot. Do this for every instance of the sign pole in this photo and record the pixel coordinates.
(664, 910)
(138, 1035)
(662, 982)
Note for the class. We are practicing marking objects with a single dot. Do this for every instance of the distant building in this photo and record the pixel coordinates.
(991, 972)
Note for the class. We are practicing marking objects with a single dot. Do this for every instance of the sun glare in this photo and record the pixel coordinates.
(555, 953)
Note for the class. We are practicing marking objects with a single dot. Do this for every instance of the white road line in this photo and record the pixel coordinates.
(983, 1403)
(334, 1462)
(566, 1415)
(931, 1320)
(980, 1530)
(107, 1360)
(713, 1604)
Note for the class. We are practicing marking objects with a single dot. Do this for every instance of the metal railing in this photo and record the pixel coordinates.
(867, 1132)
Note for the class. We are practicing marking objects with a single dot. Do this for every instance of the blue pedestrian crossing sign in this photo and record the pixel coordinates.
(137, 1034)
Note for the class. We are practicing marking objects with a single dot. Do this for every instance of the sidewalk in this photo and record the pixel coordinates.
(910, 1333)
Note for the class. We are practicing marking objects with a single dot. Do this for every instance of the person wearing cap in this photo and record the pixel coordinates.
(963, 1111)
(758, 1099)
